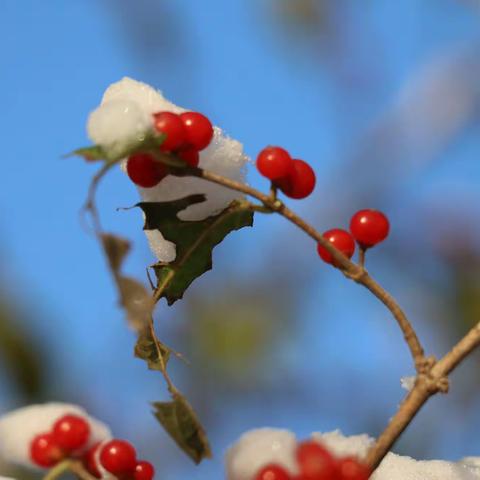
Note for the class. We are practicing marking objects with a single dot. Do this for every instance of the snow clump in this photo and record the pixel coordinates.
(260, 447)
(125, 114)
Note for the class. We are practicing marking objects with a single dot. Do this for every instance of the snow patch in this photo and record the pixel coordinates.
(125, 113)
(19, 427)
(258, 448)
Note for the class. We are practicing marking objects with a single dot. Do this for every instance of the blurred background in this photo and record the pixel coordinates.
(382, 97)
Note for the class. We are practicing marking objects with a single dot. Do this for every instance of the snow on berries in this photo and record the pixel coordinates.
(129, 111)
(257, 449)
(41, 436)
(20, 430)
(295, 178)
(273, 454)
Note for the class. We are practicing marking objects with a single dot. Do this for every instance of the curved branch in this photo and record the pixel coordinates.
(349, 268)
(426, 385)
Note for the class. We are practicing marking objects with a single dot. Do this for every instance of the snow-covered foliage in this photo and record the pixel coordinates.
(260, 447)
(125, 114)
(19, 427)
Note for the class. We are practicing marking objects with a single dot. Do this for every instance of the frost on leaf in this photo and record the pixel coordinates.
(180, 421)
(194, 240)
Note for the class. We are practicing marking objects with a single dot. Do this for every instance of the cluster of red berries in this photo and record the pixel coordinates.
(185, 136)
(315, 462)
(67, 439)
(367, 228)
(295, 178)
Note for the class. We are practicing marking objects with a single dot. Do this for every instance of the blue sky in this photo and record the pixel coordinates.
(232, 61)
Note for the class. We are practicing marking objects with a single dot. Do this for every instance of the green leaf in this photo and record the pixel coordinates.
(194, 240)
(90, 154)
(181, 423)
(148, 142)
(154, 352)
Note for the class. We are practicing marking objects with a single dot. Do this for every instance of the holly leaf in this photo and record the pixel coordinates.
(134, 297)
(194, 240)
(154, 352)
(148, 142)
(181, 423)
(93, 153)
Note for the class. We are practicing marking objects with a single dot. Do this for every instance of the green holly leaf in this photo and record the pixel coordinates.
(181, 423)
(154, 352)
(194, 240)
(93, 153)
(148, 142)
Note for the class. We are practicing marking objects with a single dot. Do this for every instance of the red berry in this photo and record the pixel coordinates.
(341, 240)
(272, 472)
(118, 457)
(199, 130)
(369, 227)
(190, 156)
(90, 461)
(172, 126)
(144, 170)
(44, 450)
(300, 181)
(349, 468)
(315, 462)
(144, 471)
(71, 432)
(274, 163)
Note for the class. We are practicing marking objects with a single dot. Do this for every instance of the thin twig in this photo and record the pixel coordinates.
(425, 386)
(350, 269)
(73, 466)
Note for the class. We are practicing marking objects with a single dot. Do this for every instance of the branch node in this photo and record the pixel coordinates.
(425, 364)
(357, 274)
(443, 385)
(276, 205)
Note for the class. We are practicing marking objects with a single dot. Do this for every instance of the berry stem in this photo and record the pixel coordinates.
(273, 191)
(68, 466)
(361, 256)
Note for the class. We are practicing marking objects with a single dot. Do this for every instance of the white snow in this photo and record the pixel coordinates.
(408, 382)
(127, 107)
(117, 124)
(257, 448)
(19, 427)
(340, 445)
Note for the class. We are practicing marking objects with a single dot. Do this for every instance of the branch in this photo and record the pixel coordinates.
(68, 465)
(426, 385)
(350, 269)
